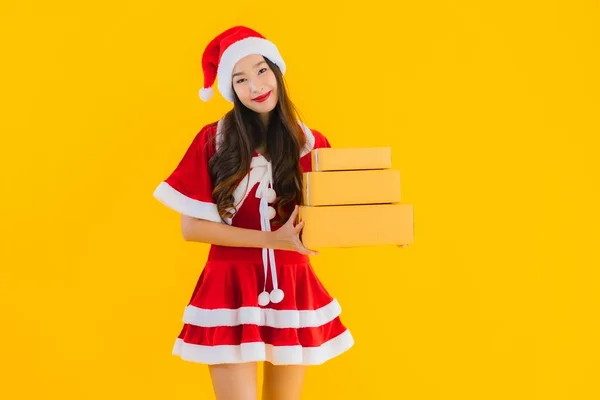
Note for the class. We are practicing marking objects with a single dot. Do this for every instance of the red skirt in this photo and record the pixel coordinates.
(223, 322)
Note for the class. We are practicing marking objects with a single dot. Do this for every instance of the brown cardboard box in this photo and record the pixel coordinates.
(357, 225)
(351, 187)
(344, 159)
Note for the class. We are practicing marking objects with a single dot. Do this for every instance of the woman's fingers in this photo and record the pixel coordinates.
(299, 227)
(304, 250)
(299, 246)
(293, 215)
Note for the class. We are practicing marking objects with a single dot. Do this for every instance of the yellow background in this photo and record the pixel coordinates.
(492, 109)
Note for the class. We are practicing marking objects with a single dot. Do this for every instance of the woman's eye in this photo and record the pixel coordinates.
(262, 70)
(240, 80)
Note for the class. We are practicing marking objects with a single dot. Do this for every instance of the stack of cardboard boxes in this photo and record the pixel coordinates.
(352, 198)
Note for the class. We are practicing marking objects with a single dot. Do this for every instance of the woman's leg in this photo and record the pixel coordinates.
(234, 381)
(282, 382)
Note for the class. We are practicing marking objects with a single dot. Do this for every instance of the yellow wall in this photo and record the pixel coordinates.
(492, 112)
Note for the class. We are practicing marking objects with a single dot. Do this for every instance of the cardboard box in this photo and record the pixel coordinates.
(344, 159)
(351, 187)
(357, 225)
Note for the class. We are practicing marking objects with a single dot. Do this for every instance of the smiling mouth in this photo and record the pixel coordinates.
(262, 98)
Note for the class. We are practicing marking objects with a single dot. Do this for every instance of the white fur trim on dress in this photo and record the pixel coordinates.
(219, 134)
(259, 351)
(310, 140)
(261, 316)
(239, 50)
(183, 204)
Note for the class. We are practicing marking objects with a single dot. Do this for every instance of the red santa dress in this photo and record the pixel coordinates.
(251, 304)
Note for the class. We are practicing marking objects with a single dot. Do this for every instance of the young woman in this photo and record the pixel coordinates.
(238, 187)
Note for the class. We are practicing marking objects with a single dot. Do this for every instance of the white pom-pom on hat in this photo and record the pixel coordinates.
(206, 93)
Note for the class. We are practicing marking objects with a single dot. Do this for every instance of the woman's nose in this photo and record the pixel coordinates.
(254, 86)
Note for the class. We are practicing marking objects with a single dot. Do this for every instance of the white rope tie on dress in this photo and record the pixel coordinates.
(266, 194)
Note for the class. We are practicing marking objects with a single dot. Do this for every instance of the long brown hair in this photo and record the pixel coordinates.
(243, 132)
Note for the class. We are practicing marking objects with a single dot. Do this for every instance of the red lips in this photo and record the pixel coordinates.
(262, 98)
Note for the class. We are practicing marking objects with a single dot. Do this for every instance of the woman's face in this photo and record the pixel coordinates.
(255, 84)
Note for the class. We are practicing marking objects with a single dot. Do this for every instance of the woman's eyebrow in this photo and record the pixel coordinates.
(254, 66)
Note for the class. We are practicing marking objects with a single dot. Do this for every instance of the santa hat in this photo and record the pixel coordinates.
(225, 50)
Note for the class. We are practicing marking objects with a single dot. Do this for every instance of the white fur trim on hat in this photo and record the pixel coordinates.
(239, 50)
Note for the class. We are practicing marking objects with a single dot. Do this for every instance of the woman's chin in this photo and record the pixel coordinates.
(263, 108)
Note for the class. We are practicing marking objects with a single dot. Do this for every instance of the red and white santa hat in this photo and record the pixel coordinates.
(225, 50)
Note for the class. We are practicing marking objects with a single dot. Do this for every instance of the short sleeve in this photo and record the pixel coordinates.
(315, 140)
(188, 189)
(321, 140)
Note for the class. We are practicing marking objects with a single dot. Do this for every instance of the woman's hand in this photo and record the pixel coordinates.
(288, 236)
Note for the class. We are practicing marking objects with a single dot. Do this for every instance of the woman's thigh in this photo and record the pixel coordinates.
(234, 381)
(283, 382)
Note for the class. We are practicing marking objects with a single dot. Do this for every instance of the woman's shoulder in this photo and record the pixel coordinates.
(314, 137)
(208, 132)
(205, 138)
(319, 139)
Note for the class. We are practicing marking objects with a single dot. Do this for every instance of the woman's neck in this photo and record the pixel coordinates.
(261, 146)
(264, 118)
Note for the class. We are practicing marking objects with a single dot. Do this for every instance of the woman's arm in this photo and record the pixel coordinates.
(204, 231)
(285, 238)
